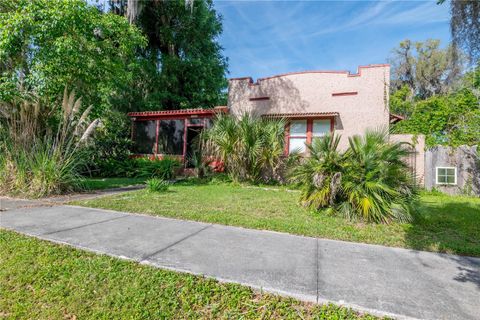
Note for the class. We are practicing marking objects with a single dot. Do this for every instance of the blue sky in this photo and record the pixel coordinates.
(263, 38)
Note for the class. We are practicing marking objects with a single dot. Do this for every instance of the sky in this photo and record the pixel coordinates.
(264, 38)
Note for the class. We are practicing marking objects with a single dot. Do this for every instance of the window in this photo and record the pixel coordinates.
(320, 127)
(298, 136)
(446, 175)
(170, 137)
(145, 136)
(208, 123)
(303, 131)
(196, 121)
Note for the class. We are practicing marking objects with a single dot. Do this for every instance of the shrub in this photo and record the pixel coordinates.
(37, 161)
(369, 182)
(139, 168)
(112, 144)
(247, 145)
(163, 169)
(157, 185)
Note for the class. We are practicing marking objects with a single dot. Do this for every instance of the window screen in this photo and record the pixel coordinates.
(170, 137)
(144, 137)
(196, 121)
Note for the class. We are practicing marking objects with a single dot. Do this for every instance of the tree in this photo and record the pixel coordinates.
(402, 101)
(46, 45)
(184, 66)
(425, 68)
(465, 26)
(447, 119)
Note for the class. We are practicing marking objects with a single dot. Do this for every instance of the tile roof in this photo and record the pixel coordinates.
(179, 112)
(301, 115)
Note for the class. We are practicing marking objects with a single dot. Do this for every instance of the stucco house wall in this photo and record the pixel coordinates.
(359, 101)
(417, 158)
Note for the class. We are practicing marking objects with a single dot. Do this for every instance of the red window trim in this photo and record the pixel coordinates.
(309, 134)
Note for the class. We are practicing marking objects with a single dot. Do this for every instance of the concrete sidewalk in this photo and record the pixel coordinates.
(385, 281)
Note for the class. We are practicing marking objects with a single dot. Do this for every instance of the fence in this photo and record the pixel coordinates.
(453, 170)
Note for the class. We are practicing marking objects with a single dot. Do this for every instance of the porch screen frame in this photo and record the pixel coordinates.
(158, 119)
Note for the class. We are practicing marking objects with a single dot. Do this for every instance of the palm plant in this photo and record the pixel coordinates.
(369, 182)
(377, 185)
(247, 145)
(320, 174)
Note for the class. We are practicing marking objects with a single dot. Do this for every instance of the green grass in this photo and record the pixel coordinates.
(41, 280)
(109, 183)
(442, 224)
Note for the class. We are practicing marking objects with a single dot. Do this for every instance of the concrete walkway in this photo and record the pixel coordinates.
(385, 281)
(7, 203)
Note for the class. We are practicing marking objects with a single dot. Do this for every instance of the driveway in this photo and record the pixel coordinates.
(381, 280)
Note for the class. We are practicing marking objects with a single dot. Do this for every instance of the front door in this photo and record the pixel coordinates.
(193, 135)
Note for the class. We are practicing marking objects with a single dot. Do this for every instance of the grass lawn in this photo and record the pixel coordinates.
(41, 280)
(109, 183)
(443, 223)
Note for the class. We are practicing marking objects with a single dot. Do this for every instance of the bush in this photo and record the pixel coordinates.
(140, 168)
(163, 169)
(369, 182)
(112, 143)
(157, 185)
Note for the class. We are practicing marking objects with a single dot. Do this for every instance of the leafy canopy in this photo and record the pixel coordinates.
(46, 45)
(425, 67)
(183, 64)
(450, 119)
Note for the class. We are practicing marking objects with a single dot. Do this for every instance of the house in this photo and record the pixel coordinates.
(312, 102)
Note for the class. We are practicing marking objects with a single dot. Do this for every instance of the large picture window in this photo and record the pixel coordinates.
(301, 132)
(145, 136)
(170, 137)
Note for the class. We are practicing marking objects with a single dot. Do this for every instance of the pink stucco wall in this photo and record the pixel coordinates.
(417, 160)
(315, 92)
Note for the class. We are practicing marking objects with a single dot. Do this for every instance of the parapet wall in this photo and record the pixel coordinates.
(360, 99)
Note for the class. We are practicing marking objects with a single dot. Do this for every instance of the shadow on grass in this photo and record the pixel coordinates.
(449, 225)
(446, 225)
